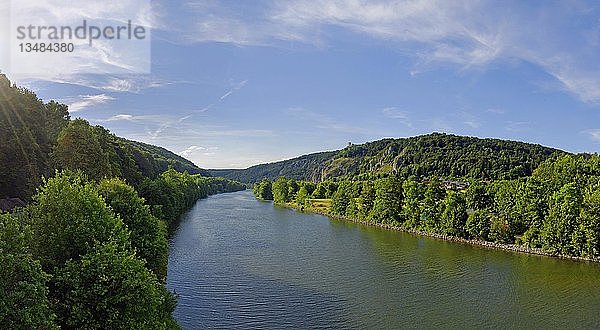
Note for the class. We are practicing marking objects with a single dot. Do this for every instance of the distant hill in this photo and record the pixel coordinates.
(306, 167)
(435, 155)
(164, 158)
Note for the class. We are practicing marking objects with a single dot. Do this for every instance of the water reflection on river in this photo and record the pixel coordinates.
(237, 262)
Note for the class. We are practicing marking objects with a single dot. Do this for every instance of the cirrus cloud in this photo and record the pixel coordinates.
(83, 102)
(464, 33)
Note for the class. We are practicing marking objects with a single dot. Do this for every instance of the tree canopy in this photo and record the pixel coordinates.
(556, 209)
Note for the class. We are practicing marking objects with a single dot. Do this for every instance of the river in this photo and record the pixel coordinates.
(237, 262)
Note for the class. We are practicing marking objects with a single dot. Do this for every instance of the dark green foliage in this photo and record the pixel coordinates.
(83, 254)
(531, 237)
(103, 249)
(353, 210)
(57, 118)
(562, 220)
(413, 196)
(109, 288)
(387, 207)
(148, 234)
(428, 156)
(581, 169)
(500, 230)
(301, 168)
(309, 186)
(172, 192)
(23, 292)
(477, 196)
(478, 225)
(78, 147)
(70, 219)
(101, 154)
(302, 196)
(320, 191)
(366, 200)
(431, 209)
(293, 188)
(557, 208)
(330, 188)
(38, 138)
(28, 130)
(535, 211)
(533, 202)
(214, 185)
(454, 216)
(587, 234)
(509, 220)
(263, 190)
(97, 279)
(355, 188)
(341, 200)
(158, 159)
(281, 191)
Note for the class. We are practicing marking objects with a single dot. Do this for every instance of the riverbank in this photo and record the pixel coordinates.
(486, 244)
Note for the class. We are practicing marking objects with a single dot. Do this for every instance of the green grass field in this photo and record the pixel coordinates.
(320, 205)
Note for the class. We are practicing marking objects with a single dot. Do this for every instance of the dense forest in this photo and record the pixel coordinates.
(431, 156)
(39, 137)
(556, 209)
(89, 248)
(301, 168)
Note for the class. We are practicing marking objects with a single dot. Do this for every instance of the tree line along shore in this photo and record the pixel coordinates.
(555, 211)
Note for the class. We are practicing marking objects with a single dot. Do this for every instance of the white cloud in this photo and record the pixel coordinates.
(167, 124)
(593, 134)
(225, 95)
(105, 83)
(400, 115)
(198, 150)
(466, 33)
(120, 118)
(148, 119)
(169, 128)
(121, 57)
(190, 150)
(497, 111)
(235, 88)
(516, 126)
(83, 102)
(469, 119)
(393, 112)
(324, 122)
(472, 124)
(131, 84)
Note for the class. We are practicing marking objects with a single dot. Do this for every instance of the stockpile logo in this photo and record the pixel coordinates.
(58, 37)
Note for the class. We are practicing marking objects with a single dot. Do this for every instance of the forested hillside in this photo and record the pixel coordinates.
(555, 210)
(39, 137)
(88, 250)
(431, 156)
(306, 167)
(163, 158)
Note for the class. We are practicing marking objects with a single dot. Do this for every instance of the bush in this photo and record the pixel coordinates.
(148, 234)
(110, 288)
(478, 224)
(23, 293)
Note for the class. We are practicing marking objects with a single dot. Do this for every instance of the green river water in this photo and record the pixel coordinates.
(237, 262)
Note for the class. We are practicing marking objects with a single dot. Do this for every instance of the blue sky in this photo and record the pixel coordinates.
(237, 83)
